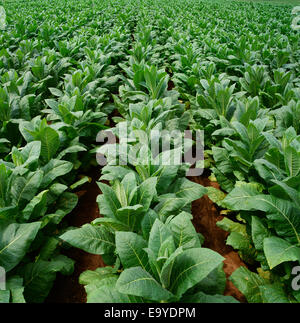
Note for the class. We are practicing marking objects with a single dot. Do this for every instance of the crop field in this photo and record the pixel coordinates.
(149, 151)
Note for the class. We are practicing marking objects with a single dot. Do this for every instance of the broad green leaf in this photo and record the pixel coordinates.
(238, 241)
(136, 281)
(191, 266)
(129, 247)
(248, 283)
(53, 104)
(67, 202)
(169, 206)
(106, 292)
(292, 161)
(165, 177)
(112, 223)
(57, 189)
(15, 241)
(183, 231)
(278, 251)
(166, 271)
(273, 294)
(110, 173)
(36, 207)
(166, 249)
(56, 92)
(147, 191)
(62, 264)
(285, 218)
(238, 198)
(267, 170)
(39, 277)
(214, 283)
(50, 143)
(259, 232)
(93, 239)
(31, 152)
(93, 276)
(232, 226)
(291, 193)
(188, 190)
(147, 223)
(48, 249)
(120, 192)
(159, 233)
(129, 186)
(201, 297)
(108, 201)
(130, 215)
(54, 169)
(70, 150)
(217, 196)
(24, 189)
(9, 213)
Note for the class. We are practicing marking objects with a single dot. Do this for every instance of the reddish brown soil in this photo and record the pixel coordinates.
(67, 289)
(171, 85)
(205, 217)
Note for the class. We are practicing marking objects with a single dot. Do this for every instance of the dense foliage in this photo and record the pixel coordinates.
(228, 68)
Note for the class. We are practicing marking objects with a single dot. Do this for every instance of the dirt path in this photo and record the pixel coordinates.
(67, 289)
(205, 217)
